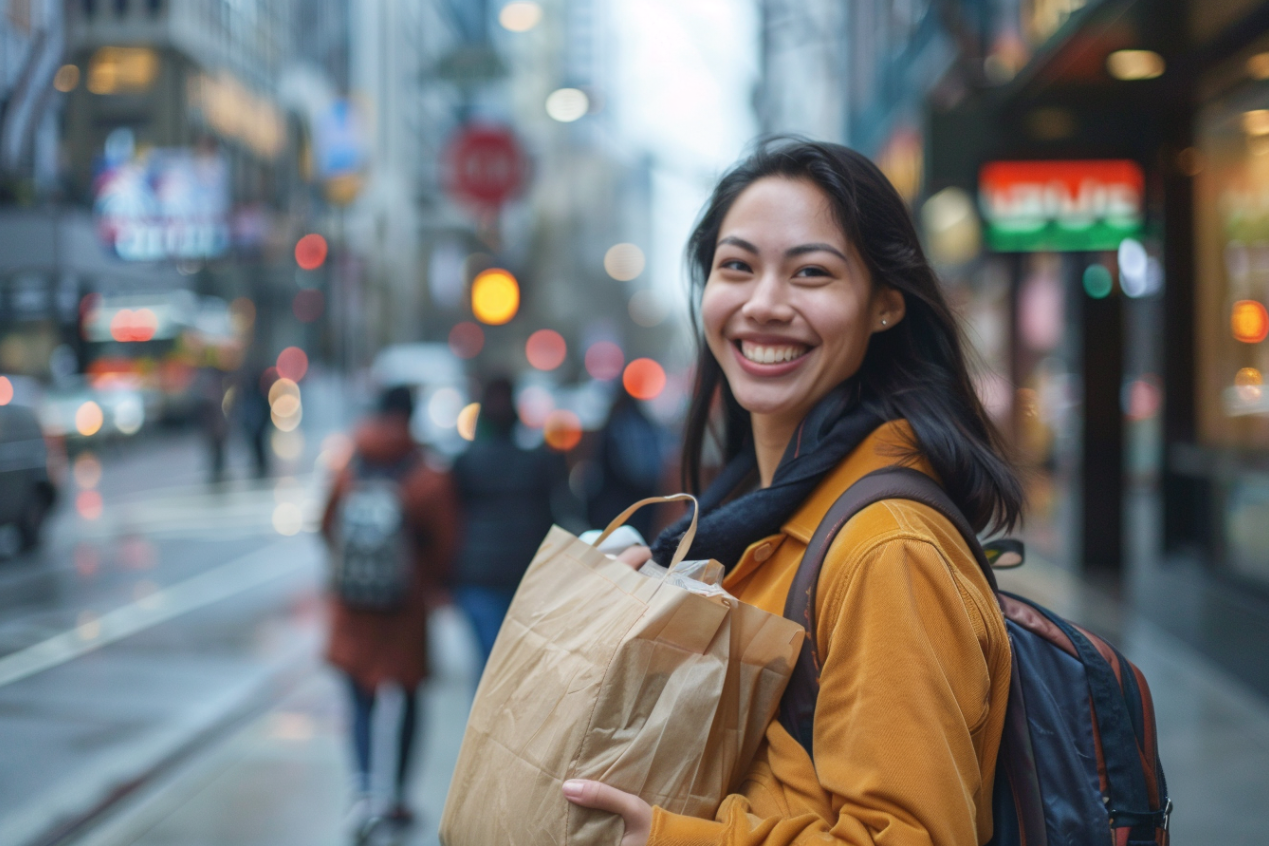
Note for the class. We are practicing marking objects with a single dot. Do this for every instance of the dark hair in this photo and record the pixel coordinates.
(917, 370)
(398, 399)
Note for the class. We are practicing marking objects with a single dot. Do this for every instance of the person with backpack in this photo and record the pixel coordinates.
(859, 467)
(391, 524)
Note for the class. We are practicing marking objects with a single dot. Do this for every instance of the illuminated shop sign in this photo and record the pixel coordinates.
(1060, 205)
(167, 204)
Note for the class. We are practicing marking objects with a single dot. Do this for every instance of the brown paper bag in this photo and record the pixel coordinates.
(600, 672)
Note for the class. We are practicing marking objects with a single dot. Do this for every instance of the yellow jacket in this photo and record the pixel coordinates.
(913, 686)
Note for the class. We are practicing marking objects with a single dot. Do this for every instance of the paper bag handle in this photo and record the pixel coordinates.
(684, 545)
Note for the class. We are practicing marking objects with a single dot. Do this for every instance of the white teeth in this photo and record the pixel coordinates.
(764, 354)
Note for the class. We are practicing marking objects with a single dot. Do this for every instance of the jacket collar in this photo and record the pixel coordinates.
(885, 447)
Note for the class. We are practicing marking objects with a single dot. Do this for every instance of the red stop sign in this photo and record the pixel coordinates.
(484, 165)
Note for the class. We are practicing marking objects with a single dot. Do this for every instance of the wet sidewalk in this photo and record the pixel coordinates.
(283, 779)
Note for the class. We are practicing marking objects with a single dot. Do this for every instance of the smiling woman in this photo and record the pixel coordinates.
(827, 349)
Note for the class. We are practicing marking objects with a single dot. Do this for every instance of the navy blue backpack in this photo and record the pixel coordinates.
(1079, 760)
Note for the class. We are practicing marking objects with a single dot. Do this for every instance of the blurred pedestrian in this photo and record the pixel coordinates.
(626, 465)
(391, 524)
(507, 494)
(213, 418)
(254, 415)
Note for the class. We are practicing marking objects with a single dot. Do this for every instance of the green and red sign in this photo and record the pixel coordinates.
(1060, 205)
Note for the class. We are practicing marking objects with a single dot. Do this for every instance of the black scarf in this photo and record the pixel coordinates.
(828, 433)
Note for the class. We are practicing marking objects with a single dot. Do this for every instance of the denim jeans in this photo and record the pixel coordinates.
(485, 607)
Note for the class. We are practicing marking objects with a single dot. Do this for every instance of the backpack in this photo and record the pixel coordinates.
(370, 564)
(1079, 761)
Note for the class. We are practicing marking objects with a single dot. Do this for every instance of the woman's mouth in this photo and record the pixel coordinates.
(772, 353)
(770, 359)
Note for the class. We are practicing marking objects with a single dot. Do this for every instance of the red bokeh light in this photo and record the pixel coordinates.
(292, 364)
(128, 325)
(88, 504)
(466, 339)
(534, 405)
(563, 430)
(308, 305)
(310, 251)
(546, 349)
(6, 390)
(644, 379)
(604, 360)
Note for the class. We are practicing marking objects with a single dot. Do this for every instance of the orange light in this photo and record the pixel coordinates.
(88, 419)
(466, 339)
(6, 390)
(604, 360)
(1249, 321)
(495, 296)
(563, 430)
(545, 349)
(467, 421)
(310, 251)
(133, 326)
(644, 379)
(88, 504)
(292, 364)
(1249, 383)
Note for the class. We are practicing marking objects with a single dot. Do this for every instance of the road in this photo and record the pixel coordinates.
(138, 632)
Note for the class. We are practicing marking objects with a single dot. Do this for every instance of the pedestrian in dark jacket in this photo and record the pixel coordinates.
(627, 465)
(506, 494)
(375, 648)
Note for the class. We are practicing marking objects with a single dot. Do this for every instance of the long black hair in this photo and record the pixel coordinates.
(916, 370)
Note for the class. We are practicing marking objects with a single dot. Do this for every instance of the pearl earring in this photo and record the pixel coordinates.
(883, 321)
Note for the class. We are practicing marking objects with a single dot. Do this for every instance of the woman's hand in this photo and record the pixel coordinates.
(635, 556)
(636, 813)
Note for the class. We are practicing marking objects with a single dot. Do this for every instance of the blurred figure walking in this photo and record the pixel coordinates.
(507, 494)
(391, 524)
(626, 466)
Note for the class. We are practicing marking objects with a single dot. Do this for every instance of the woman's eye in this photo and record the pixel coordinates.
(812, 271)
(734, 264)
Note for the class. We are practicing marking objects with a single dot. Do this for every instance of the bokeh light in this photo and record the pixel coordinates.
(86, 470)
(624, 262)
(288, 519)
(643, 379)
(242, 312)
(1145, 397)
(335, 451)
(1097, 281)
(444, 407)
(287, 446)
(292, 363)
(129, 415)
(466, 339)
(285, 407)
(6, 390)
(308, 305)
(67, 78)
(89, 504)
(533, 405)
(1131, 65)
(88, 419)
(129, 326)
(1249, 321)
(604, 360)
(567, 104)
(546, 349)
(467, 421)
(562, 430)
(1249, 382)
(495, 296)
(520, 15)
(310, 251)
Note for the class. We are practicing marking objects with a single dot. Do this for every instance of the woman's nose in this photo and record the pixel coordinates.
(768, 302)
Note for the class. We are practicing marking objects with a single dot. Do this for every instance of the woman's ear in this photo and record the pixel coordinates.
(888, 308)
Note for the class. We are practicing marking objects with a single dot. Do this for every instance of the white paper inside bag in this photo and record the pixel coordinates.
(703, 577)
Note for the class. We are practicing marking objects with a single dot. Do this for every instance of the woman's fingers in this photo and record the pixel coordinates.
(636, 813)
(635, 556)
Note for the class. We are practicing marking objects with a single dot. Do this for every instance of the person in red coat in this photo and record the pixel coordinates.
(375, 648)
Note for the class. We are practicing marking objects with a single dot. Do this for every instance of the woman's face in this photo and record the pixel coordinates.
(789, 305)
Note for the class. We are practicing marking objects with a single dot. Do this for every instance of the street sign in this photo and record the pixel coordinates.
(484, 166)
(1061, 205)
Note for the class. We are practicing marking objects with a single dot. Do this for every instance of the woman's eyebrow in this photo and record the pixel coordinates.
(738, 242)
(815, 248)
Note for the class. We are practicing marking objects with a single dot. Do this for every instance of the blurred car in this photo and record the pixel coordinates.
(27, 490)
(81, 412)
(439, 384)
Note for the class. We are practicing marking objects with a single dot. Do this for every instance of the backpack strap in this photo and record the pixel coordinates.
(797, 707)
